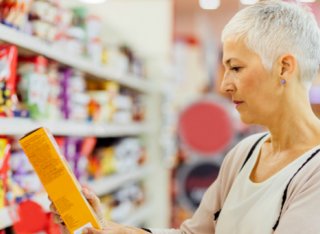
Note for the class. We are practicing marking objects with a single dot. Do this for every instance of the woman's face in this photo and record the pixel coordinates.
(253, 89)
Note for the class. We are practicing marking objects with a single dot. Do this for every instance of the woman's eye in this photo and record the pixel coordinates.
(236, 69)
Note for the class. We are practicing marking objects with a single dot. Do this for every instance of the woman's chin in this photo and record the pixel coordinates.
(247, 120)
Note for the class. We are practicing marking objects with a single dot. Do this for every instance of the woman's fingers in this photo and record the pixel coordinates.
(93, 231)
(91, 197)
(53, 209)
(111, 228)
(95, 204)
(56, 216)
(93, 201)
(57, 219)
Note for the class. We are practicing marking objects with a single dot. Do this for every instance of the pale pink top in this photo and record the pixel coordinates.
(301, 209)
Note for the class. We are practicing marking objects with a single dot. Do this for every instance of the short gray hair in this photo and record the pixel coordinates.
(272, 28)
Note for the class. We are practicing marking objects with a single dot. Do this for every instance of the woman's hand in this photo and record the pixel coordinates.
(108, 227)
(95, 204)
(57, 218)
(93, 201)
(114, 228)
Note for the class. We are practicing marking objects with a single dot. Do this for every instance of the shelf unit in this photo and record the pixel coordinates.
(20, 126)
(109, 183)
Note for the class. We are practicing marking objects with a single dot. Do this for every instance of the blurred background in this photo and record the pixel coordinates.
(130, 90)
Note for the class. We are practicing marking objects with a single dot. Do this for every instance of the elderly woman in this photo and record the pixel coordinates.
(269, 182)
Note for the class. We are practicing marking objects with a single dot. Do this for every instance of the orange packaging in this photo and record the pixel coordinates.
(58, 180)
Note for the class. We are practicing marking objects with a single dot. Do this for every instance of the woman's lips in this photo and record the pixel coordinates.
(237, 103)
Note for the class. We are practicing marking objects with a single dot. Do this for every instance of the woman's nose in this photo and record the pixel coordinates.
(227, 85)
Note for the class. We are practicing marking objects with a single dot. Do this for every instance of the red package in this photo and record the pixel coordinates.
(8, 78)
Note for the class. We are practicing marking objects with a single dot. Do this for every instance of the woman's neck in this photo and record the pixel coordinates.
(296, 127)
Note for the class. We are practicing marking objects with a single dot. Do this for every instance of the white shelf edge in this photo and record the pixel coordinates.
(110, 183)
(5, 220)
(139, 216)
(39, 46)
(21, 126)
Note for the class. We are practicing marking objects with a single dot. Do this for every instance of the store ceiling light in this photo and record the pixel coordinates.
(307, 0)
(93, 1)
(209, 4)
(248, 2)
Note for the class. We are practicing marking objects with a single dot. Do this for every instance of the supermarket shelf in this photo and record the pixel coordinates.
(39, 46)
(20, 126)
(140, 215)
(110, 183)
(102, 186)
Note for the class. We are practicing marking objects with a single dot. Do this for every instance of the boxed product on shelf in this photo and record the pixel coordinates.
(8, 80)
(120, 156)
(48, 20)
(14, 13)
(76, 151)
(54, 102)
(48, 91)
(74, 100)
(117, 60)
(91, 26)
(34, 85)
(56, 176)
(124, 109)
(94, 44)
(109, 103)
(101, 107)
(135, 64)
(24, 179)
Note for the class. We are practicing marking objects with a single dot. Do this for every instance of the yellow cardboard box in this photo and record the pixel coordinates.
(58, 180)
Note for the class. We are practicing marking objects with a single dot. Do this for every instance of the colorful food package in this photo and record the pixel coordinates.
(34, 85)
(58, 180)
(8, 66)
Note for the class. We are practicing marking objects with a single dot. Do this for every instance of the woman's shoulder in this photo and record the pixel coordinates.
(243, 147)
(242, 150)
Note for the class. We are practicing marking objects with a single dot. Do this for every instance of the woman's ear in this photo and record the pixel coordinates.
(287, 66)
